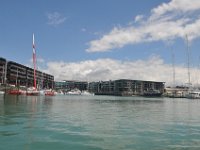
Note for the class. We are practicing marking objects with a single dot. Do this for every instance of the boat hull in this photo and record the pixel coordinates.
(193, 94)
(2, 92)
(49, 93)
(32, 93)
(17, 92)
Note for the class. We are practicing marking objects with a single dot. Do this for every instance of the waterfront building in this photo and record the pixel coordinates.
(2, 70)
(121, 87)
(16, 74)
(124, 87)
(60, 85)
(68, 85)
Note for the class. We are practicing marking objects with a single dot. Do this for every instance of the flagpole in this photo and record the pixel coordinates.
(34, 61)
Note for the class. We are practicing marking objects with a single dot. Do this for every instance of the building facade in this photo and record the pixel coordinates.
(15, 74)
(2, 70)
(124, 87)
(68, 85)
(121, 87)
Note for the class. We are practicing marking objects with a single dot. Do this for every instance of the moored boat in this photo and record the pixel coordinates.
(16, 92)
(87, 93)
(2, 92)
(49, 93)
(57, 93)
(74, 92)
(32, 91)
(193, 94)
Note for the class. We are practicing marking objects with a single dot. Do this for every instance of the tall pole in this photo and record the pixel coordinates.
(34, 62)
(173, 67)
(188, 60)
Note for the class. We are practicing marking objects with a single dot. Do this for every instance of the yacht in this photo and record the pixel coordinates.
(49, 92)
(32, 91)
(59, 93)
(74, 92)
(193, 94)
(87, 93)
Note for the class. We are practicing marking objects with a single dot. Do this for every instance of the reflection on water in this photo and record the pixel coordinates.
(98, 122)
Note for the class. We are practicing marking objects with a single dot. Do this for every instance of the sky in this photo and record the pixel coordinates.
(94, 40)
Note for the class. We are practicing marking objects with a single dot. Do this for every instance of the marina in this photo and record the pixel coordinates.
(18, 79)
(100, 75)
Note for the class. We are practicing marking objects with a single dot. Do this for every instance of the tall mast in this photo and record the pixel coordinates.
(34, 61)
(188, 60)
(173, 67)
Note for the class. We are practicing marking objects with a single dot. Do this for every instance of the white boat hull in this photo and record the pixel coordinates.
(193, 95)
(2, 92)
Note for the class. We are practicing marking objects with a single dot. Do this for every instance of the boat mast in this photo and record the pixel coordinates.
(34, 61)
(188, 60)
(173, 66)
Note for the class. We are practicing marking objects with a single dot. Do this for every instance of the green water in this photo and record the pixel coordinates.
(98, 123)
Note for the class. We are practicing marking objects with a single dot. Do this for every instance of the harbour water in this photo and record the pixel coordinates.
(98, 123)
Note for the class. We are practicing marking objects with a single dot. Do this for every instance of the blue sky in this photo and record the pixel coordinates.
(103, 39)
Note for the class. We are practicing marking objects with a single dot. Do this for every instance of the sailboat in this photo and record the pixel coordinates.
(49, 92)
(175, 92)
(33, 90)
(192, 92)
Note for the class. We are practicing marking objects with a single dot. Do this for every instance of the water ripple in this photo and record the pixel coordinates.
(99, 123)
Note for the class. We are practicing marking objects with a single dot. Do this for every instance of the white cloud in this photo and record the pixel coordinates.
(139, 18)
(168, 21)
(181, 6)
(55, 18)
(153, 69)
